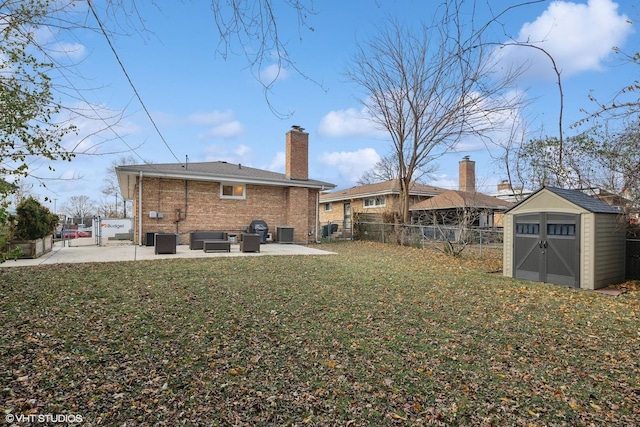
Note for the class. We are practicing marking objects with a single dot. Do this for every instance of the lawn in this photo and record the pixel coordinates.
(374, 335)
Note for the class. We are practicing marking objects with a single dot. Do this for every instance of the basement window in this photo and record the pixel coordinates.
(375, 202)
(232, 191)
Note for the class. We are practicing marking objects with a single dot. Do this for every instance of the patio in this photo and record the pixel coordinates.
(85, 250)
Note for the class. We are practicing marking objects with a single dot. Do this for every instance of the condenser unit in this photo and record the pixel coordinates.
(284, 234)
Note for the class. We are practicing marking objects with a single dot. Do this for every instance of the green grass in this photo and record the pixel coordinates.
(375, 335)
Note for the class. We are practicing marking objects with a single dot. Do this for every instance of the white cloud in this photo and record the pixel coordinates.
(237, 154)
(99, 129)
(210, 118)
(445, 181)
(59, 48)
(347, 123)
(70, 50)
(272, 73)
(277, 163)
(350, 165)
(227, 130)
(242, 150)
(579, 37)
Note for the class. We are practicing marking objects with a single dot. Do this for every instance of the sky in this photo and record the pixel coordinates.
(181, 98)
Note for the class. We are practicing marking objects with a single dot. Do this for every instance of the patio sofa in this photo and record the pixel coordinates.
(196, 238)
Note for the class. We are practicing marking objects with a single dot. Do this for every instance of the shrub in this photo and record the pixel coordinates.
(32, 220)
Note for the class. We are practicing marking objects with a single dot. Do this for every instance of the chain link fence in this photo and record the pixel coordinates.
(425, 235)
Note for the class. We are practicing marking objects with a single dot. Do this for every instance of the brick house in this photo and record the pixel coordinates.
(463, 207)
(180, 198)
(374, 200)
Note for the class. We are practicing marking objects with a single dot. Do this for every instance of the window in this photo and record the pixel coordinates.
(232, 191)
(374, 202)
(327, 207)
(527, 228)
(561, 230)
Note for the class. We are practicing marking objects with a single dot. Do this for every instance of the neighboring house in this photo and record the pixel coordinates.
(342, 206)
(612, 199)
(510, 194)
(460, 208)
(179, 198)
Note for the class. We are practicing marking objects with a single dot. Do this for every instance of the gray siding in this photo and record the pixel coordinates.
(609, 257)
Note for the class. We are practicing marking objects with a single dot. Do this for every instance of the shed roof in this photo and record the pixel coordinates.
(579, 199)
(456, 199)
(391, 186)
(210, 171)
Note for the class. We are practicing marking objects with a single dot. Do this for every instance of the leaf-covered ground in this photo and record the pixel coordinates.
(375, 335)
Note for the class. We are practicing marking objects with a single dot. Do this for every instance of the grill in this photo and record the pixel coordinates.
(259, 227)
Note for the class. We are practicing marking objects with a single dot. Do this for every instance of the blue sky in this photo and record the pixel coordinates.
(210, 108)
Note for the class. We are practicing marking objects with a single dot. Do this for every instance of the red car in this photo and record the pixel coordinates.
(72, 234)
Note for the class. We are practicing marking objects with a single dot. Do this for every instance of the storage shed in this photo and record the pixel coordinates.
(565, 237)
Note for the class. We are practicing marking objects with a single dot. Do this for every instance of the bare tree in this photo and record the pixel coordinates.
(454, 222)
(625, 103)
(616, 155)
(106, 207)
(254, 29)
(111, 187)
(79, 208)
(429, 89)
(386, 169)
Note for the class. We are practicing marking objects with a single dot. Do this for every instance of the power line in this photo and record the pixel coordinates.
(144, 107)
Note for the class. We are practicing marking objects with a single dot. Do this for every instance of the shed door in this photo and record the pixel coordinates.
(547, 248)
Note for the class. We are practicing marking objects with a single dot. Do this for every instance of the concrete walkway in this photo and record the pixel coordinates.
(86, 250)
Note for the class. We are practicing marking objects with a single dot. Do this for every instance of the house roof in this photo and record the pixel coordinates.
(578, 198)
(391, 186)
(456, 199)
(210, 171)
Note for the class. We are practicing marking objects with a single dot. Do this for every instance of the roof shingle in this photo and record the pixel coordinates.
(457, 199)
(391, 186)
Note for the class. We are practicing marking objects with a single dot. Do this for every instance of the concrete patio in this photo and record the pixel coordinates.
(86, 250)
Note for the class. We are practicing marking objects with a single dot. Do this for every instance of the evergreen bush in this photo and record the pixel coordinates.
(32, 220)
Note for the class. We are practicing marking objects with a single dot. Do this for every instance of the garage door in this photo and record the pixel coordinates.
(547, 248)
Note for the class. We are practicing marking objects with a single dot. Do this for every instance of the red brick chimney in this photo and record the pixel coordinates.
(504, 185)
(297, 154)
(467, 175)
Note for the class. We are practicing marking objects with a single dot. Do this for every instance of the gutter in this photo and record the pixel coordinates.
(140, 210)
(239, 178)
(318, 214)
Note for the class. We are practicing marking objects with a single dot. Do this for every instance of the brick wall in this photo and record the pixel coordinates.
(467, 172)
(297, 154)
(335, 215)
(201, 208)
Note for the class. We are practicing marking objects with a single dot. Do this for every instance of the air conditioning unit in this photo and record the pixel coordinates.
(284, 234)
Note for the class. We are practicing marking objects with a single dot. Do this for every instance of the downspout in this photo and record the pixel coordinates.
(318, 213)
(140, 210)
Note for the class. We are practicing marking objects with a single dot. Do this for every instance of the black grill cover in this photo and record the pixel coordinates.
(260, 227)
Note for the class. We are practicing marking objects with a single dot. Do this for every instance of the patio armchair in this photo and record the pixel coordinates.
(250, 243)
(165, 243)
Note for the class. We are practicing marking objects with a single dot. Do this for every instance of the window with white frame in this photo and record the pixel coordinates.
(375, 202)
(327, 207)
(232, 191)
